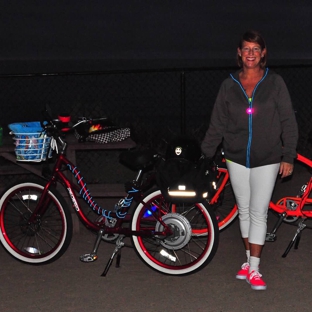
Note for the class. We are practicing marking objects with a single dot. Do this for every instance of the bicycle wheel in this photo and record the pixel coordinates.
(193, 243)
(39, 241)
(223, 202)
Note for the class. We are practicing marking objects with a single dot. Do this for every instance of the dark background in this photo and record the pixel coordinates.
(98, 35)
(154, 66)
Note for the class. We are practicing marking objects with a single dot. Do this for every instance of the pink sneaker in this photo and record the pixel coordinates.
(255, 281)
(243, 272)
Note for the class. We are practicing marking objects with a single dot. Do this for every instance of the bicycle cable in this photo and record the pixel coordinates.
(85, 193)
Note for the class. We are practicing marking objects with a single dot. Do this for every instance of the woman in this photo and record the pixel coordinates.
(253, 115)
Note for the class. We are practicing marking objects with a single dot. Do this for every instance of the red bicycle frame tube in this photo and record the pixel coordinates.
(221, 188)
(281, 205)
(59, 176)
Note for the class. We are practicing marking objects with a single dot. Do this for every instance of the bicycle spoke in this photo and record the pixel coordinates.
(192, 232)
(34, 238)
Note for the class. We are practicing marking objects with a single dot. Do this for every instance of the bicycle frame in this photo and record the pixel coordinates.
(281, 205)
(119, 216)
(222, 185)
(37, 227)
(289, 208)
(300, 201)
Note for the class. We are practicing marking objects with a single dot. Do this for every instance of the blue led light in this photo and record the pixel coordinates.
(149, 212)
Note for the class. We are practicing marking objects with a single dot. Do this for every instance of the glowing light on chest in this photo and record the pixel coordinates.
(249, 110)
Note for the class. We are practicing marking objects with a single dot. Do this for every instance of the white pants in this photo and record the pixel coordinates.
(253, 190)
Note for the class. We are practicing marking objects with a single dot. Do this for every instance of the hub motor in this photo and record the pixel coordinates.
(181, 228)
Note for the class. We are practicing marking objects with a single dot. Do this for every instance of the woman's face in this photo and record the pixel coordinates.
(251, 54)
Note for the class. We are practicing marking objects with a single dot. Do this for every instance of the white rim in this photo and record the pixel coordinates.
(8, 247)
(149, 261)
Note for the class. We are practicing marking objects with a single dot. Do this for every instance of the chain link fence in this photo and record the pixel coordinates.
(156, 105)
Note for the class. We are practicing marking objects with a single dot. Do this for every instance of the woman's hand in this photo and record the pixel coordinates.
(286, 169)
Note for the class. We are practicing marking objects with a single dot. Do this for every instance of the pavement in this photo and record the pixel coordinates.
(70, 285)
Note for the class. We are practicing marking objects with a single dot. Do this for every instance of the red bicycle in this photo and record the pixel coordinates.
(290, 209)
(36, 223)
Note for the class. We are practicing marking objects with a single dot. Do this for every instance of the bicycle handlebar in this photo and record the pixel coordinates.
(54, 126)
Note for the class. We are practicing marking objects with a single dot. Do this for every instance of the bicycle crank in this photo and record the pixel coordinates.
(290, 205)
(92, 256)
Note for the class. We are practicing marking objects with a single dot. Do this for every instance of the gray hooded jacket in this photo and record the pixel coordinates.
(257, 131)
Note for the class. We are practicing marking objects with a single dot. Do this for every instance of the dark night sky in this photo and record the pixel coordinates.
(66, 35)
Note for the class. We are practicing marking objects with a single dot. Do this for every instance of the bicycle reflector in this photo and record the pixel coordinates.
(182, 190)
(183, 175)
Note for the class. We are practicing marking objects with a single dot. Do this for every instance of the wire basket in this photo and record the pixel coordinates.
(31, 142)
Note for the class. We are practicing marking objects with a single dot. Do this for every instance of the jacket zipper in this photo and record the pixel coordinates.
(250, 102)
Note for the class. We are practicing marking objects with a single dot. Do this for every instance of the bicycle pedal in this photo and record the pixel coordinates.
(88, 257)
(270, 237)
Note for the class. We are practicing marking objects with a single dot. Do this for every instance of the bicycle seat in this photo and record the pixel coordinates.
(138, 159)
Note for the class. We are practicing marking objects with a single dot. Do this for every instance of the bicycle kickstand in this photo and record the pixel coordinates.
(271, 237)
(117, 251)
(296, 238)
(91, 257)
